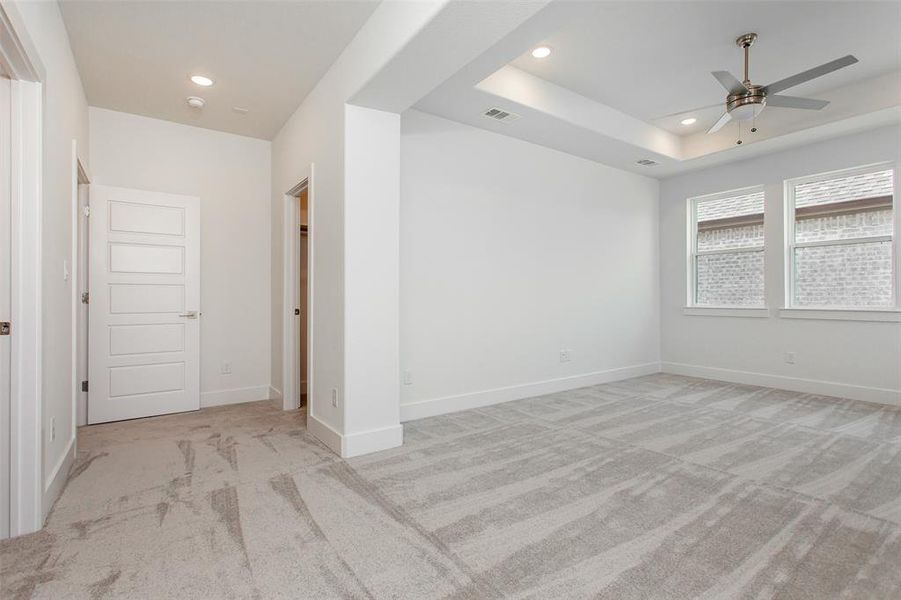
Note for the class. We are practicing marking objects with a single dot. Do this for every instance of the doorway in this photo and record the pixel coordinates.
(299, 280)
(21, 206)
(302, 293)
(80, 296)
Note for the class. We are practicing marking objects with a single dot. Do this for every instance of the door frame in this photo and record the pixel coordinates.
(290, 275)
(79, 177)
(20, 61)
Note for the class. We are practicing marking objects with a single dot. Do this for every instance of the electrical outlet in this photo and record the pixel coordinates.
(225, 368)
(790, 358)
(52, 428)
(565, 355)
(335, 397)
(408, 378)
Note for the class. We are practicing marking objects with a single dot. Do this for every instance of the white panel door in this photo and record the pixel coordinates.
(144, 319)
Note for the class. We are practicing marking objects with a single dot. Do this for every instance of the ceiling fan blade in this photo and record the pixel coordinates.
(730, 82)
(689, 111)
(795, 102)
(829, 67)
(719, 124)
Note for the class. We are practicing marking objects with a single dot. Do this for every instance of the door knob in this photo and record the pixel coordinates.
(191, 314)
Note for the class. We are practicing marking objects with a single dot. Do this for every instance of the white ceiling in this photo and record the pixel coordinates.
(264, 56)
(650, 59)
(618, 68)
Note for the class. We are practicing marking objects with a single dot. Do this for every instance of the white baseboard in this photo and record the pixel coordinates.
(374, 440)
(448, 404)
(356, 444)
(234, 396)
(56, 481)
(275, 393)
(325, 434)
(795, 384)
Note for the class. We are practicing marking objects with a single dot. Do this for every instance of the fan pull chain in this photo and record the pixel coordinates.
(739, 134)
(753, 124)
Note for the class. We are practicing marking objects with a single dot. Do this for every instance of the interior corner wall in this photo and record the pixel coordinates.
(231, 176)
(844, 358)
(510, 253)
(65, 118)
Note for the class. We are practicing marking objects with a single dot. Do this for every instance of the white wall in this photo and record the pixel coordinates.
(314, 134)
(65, 118)
(231, 175)
(511, 252)
(846, 358)
(371, 267)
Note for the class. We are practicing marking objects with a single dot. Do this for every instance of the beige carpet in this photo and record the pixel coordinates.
(657, 487)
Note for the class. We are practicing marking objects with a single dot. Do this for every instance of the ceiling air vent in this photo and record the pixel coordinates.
(646, 162)
(504, 116)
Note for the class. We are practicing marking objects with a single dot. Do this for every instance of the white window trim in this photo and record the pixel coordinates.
(692, 307)
(889, 315)
(853, 313)
(727, 311)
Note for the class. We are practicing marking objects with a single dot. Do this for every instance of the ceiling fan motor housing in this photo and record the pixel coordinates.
(746, 106)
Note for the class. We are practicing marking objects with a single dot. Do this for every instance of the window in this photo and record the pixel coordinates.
(840, 231)
(727, 249)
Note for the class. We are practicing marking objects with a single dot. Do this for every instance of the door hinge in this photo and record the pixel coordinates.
(84, 386)
(5, 327)
(87, 211)
(85, 298)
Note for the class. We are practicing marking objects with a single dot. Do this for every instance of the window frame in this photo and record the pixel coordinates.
(692, 306)
(791, 308)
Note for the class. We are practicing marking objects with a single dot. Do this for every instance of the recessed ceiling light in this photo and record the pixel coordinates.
(196, 102)
(541, 52)
(201, 80)
(689, 121)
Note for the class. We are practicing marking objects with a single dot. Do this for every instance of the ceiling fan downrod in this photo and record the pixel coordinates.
(745, 42)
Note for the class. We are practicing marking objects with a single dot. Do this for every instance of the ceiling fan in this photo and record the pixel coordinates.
(745, 100)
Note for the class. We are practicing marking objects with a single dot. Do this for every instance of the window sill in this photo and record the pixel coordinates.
(890, 315)
(726, 311)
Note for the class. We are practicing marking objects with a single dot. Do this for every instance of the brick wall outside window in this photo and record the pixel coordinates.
(843, 227)
(848, 275)
(729, 278)
(853, 275)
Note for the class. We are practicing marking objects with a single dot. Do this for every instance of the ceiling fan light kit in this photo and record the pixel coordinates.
(745, 100)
